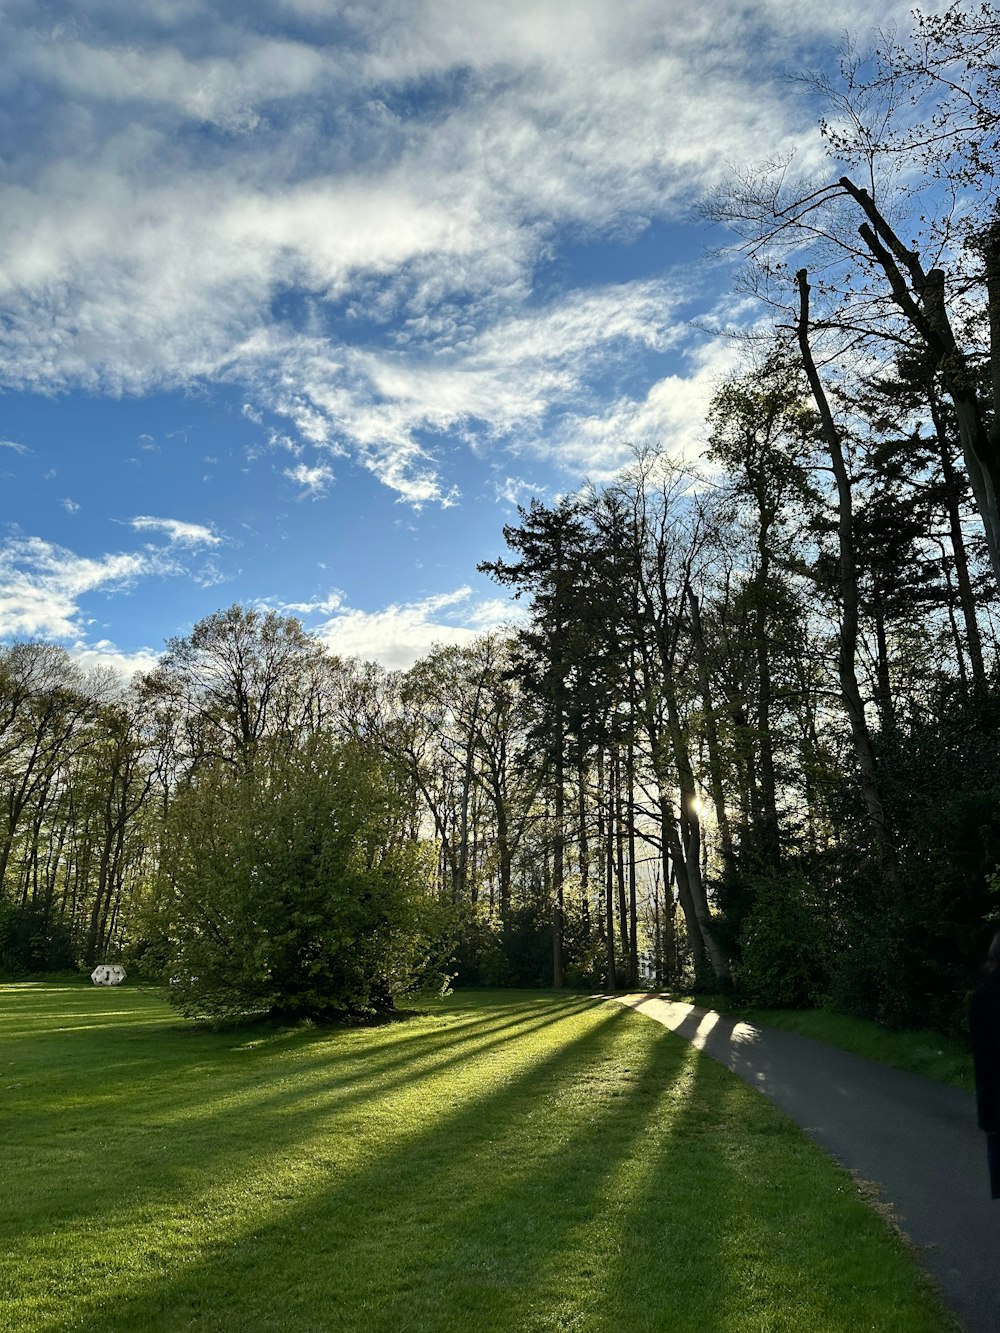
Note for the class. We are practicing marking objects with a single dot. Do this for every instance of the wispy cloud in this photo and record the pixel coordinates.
(41, 585)
(176, 531)
(15, 445)
(406, 172)
(516, 491)
(398, 634)
(313, 480)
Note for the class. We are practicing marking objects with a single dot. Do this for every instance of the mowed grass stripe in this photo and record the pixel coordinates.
(502, 1161)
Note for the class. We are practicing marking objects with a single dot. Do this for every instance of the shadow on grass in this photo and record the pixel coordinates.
(607, 1178)
(471, 1231)
(784, 1263)
(158, 1152)
(349, 1061)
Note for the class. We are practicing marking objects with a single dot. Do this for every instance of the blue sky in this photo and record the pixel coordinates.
(298, 300)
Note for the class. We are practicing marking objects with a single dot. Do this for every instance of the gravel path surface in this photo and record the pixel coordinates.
(915, 1140)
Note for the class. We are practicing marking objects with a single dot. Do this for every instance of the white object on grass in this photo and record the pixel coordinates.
(107, 974)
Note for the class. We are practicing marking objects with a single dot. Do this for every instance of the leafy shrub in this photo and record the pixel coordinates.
(784, 943)
(289, 889)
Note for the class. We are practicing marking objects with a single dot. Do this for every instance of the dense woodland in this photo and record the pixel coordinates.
(744, 736)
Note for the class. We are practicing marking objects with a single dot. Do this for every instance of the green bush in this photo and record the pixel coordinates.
(784, 943)
(289, 889)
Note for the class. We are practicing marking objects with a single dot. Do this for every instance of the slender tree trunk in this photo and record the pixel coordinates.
(966, 597)
(623, 921)
(850, 692)
(886, 707)
(700, 958)
(558, 871)
(633, 931)
(716, 782)
(583, 841)
(657, 938)
(605, 843)
(771, 844)
(951, 600)
(689, 839)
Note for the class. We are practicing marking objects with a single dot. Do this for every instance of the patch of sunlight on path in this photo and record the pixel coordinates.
(688, 1021)
(911, 1143)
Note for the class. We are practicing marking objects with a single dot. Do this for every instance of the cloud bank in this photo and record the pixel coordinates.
(361, 215)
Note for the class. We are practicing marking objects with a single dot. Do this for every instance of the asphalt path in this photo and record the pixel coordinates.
(915, 1141)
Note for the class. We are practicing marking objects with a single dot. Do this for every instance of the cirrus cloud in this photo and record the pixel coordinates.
(357, 237)
(177, 531)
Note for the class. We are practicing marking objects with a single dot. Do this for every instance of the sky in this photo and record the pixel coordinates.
(299, 300)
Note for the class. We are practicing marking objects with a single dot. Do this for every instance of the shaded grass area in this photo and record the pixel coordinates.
(932, 1054)
(501, 1161)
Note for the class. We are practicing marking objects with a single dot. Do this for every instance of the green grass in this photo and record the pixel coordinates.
(923, 1051)
(502, 1161)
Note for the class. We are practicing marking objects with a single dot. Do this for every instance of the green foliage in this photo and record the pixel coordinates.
(32, 941)
(517, 952)
(940, 778)
(584, 949)
(784, 942)
(288, 888)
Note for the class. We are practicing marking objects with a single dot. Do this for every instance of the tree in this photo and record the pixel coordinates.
(915, 125)
(288, 888)
(240, 677)
(763, 433)
(550, 661)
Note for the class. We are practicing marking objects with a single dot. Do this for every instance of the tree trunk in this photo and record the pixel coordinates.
(850, 693)
(689, 839)
(623, 921)
(715, 778)
(633, 931)
(922, 301)
(967, 600)
(558, 871)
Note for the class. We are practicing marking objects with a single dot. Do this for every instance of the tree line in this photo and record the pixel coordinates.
(744, 736)
(653, 780)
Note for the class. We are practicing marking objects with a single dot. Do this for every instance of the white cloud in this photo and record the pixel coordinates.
(13, 444)
(184, 174)
(671, 415)
(400, 633)
(313, 480)
(516, 491)
(327, 605)
(221, 91)
(103, 653)
(41, 585)
(69, 505)
(178, 532)
(504, 382)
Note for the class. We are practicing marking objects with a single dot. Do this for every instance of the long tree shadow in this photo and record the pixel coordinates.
(731, 1190)
(173, 1070)
(161, 1154)
(499, 1228)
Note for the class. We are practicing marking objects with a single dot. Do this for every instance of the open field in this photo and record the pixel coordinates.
(503, 1161)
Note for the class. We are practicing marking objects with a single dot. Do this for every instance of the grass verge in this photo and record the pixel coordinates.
(922, 1051)
(499, 1162)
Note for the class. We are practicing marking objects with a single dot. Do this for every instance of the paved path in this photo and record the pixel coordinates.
(915, 1139)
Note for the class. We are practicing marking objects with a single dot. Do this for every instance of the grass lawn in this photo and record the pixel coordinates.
(503, 1161)
(925, 1052)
